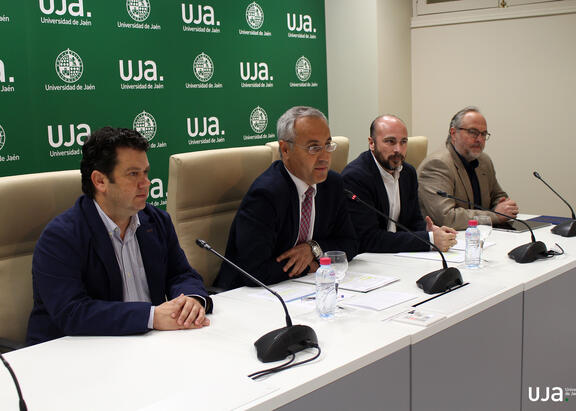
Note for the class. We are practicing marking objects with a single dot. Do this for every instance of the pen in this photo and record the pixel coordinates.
(439, 295)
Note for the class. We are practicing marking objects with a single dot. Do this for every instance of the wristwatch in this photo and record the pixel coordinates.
(316, 250)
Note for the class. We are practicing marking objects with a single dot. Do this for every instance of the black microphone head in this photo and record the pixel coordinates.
(441, 193)
(537, 175)
(350, 194)
(202, 244)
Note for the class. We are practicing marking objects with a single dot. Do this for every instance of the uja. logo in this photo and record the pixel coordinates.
(69, 66)
(74, 9)
(303, 68)
(258, 120)
(2, 137)
(300, 23)
(139, 10)
(211, 126)
(254, 15)
(259, 71)
(147, 70)
(84, 132)
(203, 67)
(555, 394)
(3, 74)
(204, 14)
(145, 124)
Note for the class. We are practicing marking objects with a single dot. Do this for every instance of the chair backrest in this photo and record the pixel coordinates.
(28, 203)
(339, 157)
(417, 150)
(205, 189)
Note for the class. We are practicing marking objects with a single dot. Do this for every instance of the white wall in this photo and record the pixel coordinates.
(368, 59)
(522, 75)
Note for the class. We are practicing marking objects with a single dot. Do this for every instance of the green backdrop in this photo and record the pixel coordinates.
(188, 75)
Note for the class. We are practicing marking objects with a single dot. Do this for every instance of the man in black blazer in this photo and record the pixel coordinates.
(381, 178)
(293, 211)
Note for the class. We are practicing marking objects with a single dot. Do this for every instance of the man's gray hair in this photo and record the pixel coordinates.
(456, 121)
(285, 125)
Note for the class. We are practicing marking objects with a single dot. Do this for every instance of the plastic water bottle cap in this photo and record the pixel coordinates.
(473, 223)
(325, 261)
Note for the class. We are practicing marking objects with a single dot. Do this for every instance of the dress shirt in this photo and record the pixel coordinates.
(301, 186)
(470, 167)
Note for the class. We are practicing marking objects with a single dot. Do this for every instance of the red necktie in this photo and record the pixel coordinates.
(305, 216)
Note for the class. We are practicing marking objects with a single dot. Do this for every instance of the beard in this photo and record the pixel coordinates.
(386, 163)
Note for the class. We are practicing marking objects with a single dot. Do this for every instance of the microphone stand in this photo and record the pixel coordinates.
(525, 253)
(278, 344)
(451, 274)
(566, 228)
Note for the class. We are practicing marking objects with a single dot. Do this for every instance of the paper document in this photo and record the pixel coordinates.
(419, 317)
(461, 244)
(452, 256)
(288, 290)
(379, 299)
(355, 281)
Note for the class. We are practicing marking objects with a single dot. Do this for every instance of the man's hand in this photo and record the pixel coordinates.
(299, 257)
(444, 237)
(506, 206)
(180, 313)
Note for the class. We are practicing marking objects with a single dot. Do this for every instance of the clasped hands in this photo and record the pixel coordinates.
(299, 257)
(180, 313)
(444, 237)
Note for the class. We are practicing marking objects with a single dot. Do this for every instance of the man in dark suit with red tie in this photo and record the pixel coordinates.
(293, 211)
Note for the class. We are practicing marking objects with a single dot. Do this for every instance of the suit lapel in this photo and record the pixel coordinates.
(462, 175)
(152, 258)
(483, 177)
(104, 248)
(294, 204)
(382, 203)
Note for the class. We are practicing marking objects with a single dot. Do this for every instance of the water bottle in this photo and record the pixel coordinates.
(473, 246)
(325, 289)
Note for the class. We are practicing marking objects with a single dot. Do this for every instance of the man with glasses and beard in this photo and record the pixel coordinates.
(463, 170)
(292, 211)
(380, 177)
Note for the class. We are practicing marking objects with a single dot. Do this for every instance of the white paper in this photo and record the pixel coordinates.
(461, 244)
(288, 290)
(356, 281)
(379, 299)
(452, 256)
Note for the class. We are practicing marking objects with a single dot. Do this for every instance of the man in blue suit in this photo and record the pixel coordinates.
(381, 178)
(107, 265)
(293, 211)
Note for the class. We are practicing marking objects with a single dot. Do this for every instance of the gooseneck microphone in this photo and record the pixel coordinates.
(435, 282)
(525, 253)
(566, 228)
(278, 344)
(21, 402)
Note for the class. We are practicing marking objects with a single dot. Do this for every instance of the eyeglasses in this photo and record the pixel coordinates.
(315, 150)
(476, 133)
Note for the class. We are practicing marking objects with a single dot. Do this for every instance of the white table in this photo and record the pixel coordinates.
(512, 327)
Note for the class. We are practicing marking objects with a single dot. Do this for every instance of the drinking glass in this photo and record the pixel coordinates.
(339, 264)
(485, 227)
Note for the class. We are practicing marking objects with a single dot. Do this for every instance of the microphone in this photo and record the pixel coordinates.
(566, 228)
(278, 344)
(435, 282)
(523, 254)
(21, 402)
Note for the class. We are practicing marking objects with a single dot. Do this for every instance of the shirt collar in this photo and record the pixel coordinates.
(385, 174)
(301, 186)
(112, 227)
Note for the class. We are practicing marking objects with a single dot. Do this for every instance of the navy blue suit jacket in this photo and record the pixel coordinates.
(77, 281)
(267, 224)
(363, 178)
